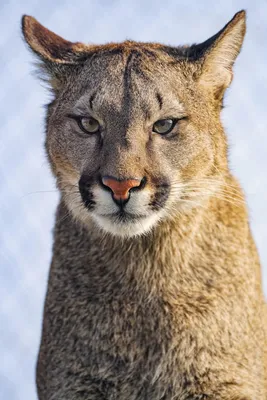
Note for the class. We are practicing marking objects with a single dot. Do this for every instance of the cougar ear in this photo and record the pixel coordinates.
(54, 52)
(49, 46)
(219, 53)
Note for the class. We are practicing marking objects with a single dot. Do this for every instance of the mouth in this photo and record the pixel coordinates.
(125, 224)
(122, 216)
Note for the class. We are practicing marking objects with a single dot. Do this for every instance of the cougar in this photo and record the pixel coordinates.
(154, 290)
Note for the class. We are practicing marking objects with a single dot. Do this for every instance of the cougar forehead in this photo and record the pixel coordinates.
(122, 82)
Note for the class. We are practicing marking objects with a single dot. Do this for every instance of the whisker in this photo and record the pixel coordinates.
(38, 191)
(201, 191)
(205, 182)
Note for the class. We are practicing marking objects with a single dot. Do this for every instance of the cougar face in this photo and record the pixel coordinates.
(125, 176)
(134, 133)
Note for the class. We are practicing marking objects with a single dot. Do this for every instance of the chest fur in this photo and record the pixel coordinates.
(120, 345)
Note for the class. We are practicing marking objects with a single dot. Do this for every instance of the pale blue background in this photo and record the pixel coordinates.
(28, 199)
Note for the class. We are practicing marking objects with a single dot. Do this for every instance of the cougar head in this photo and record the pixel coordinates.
(133, 132)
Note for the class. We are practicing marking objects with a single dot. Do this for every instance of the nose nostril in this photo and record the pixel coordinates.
(141, 185)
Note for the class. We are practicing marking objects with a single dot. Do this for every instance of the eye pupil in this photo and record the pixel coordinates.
(89, 125)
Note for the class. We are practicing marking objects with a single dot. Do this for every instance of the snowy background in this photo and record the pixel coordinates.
(28, 197)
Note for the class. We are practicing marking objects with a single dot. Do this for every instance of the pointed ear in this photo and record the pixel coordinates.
(219, 53)
(54, 52)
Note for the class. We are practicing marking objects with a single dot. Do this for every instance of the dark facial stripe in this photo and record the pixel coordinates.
(91, 100)
(133, 64)
(127, 71)
(127, 90)
(160, 100)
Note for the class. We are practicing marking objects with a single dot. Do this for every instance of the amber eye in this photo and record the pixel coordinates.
(164, 126)
(89, 125)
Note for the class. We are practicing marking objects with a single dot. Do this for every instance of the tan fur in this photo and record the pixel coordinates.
(169, 307)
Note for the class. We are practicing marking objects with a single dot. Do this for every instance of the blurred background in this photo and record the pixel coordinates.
(28, 196)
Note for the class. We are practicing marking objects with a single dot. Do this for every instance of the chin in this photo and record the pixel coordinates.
(127, 226)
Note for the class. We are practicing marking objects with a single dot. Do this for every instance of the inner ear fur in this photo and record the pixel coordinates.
(218, 54)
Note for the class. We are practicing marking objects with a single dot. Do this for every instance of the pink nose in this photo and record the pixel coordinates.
(120, 188)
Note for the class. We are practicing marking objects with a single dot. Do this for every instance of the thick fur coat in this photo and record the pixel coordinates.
(158, 297)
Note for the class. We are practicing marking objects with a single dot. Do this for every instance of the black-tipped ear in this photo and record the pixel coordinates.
(56, 54)
(219, 53)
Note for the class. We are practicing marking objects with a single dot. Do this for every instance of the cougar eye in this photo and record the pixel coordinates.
(164, 126)
(89, 124)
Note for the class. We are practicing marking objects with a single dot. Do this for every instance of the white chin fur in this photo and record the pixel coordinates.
(127, 229)
(106, 205)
